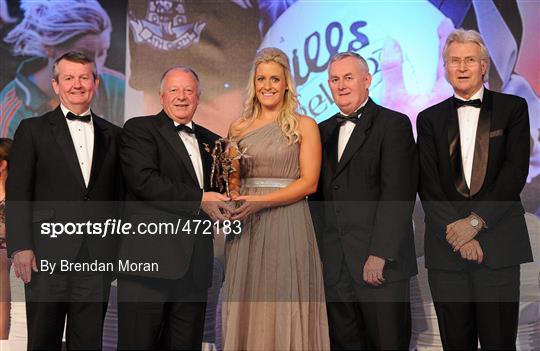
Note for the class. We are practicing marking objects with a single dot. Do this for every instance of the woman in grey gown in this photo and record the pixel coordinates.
(273, 295)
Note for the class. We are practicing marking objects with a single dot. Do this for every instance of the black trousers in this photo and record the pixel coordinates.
(81, 296)
(156, 314)
(363, 317)
(477, 303)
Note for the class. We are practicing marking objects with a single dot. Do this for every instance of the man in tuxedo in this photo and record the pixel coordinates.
(474, 160)
(64, 169)
(368, 184)
(167, 172)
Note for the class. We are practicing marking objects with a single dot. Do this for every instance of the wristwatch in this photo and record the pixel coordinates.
(475, 223)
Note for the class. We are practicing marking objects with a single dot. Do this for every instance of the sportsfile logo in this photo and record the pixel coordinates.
(121, 227)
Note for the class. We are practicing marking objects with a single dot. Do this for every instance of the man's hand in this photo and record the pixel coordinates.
(472, 251)
(373, 270)
(252, 204)
(460, 232)
(24, 262)
(215, 206)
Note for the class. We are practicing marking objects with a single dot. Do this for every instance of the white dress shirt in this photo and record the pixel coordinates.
(345, 131)
(468, 122)
(82, 135)
(192, 146)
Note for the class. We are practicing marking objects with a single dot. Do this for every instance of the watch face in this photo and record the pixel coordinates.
(474, 222)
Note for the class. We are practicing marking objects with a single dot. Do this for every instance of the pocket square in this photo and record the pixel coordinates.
(496, 133)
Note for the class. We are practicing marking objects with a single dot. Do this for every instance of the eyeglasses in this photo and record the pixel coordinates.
(469, 61)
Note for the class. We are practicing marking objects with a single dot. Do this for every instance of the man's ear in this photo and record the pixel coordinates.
(54, 84)
(484, 67)
(3, 166)
(368, 80)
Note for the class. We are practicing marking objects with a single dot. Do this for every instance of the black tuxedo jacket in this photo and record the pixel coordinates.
(162, 187)
(45, 184)
(500, 168)
(368, 195)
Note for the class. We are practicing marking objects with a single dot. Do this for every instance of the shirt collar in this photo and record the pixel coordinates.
(478, 95)
(359, 107)
(65, 111)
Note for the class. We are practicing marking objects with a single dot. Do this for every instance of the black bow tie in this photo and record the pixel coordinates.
(353, 117)
(73, 117)
(185, 128)
(474, 103)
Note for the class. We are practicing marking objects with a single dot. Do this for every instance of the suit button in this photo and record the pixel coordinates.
(86, 198)
(336, 187)
(338, 210)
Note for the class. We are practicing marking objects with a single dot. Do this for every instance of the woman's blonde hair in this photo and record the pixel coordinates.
(288, 117)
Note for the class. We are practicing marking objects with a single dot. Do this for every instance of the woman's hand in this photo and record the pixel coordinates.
(252, 204)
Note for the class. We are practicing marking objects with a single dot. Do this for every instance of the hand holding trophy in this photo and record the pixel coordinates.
(226, 156)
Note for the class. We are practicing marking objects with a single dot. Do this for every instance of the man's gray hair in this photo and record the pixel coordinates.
(463, 36)
(182, 68)
(342, 55)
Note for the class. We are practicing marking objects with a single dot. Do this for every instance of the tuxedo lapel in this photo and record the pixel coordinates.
(358, 136)
(206, 158)
(454, 149)
(481, 146)
(63, 138)
(331, 147)
(166, 129)
(101, 145)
